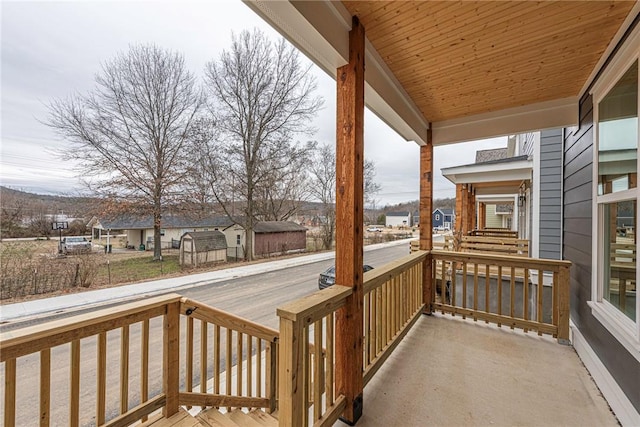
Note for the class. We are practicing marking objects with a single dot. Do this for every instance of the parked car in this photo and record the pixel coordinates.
(328, 277)
(75, 245)
(374, 229)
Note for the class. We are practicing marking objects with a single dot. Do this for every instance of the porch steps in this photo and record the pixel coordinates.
(237, 418)
(181, 419)
(214, 418)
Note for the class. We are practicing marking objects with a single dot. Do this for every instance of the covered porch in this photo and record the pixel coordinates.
(448, 371)
(438, 73)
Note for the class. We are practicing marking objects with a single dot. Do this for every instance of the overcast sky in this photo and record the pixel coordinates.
(53, 49)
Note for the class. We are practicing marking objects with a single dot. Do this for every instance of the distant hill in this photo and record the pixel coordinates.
(31, 204)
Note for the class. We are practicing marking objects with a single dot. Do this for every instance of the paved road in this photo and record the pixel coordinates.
(255, 298)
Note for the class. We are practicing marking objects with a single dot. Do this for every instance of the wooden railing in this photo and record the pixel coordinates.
(306, 368)
(495, 245)
(252, 346)
(392, 304)
(494, 232)
(526, 293)
(97, 348)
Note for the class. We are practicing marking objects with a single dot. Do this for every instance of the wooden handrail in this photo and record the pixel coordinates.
(40, 337)
(317, 305)
(378, 276)
(504, 260)
(201, 311)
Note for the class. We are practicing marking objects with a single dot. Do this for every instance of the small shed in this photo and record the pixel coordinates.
(202, 247)
(279, 237)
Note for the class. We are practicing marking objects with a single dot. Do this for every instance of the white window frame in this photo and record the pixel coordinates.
(625, 330)
(437, 217)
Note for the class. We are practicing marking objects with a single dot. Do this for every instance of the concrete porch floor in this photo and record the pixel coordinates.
(453, 372)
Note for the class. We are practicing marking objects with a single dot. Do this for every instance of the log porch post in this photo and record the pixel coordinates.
(426, 223)
(349, 221)
(459, 212)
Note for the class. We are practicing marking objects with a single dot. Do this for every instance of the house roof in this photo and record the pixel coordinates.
(444, 211)
(277, 227)
(491, 154)
(205, 241)
(133, 222)
(398, 213)
(467, 70)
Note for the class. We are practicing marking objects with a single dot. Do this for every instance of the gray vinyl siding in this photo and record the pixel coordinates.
(550, 197)
(577, 234)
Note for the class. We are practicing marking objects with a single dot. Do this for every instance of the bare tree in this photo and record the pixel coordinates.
(131, 134)
(262, 96)
(322, 170)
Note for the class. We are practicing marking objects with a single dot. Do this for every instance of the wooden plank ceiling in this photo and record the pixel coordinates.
(457, 59)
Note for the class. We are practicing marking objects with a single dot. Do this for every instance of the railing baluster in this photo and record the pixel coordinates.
(452, 291)
(239, 360)
(228, 361)
(101, 378)
(554, 301)
(74, 386)
(379, 320)
(367, 333)
(124, 369)
(189, 361)
(249, 386)
(259, 368)
(329, 319)
(540, 288)
(464, 287)
(204, 330)
(45, 387)
(512, 294)
(318, 370)
(144, 363)
(10, 393)
(487, 286)
(499, 283)
(475, 291)
(272, 375)
(216, 360)
(525, 297)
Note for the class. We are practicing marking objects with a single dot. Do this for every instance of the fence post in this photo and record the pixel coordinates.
(171, 362)
(291, 393)
(564, 301)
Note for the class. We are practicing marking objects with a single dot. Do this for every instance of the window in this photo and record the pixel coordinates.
(237, 240)
(614, 300)
(437, 217)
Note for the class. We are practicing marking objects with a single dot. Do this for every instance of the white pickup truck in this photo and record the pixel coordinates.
(75, 245)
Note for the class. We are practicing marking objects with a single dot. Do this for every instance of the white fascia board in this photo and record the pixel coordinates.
(493, 172)
(495, 198)
(533, 117)
(320, 29)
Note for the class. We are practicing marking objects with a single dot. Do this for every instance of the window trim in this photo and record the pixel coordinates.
(625, 330)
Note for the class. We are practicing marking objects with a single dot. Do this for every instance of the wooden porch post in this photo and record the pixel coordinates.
(349, 221)
(472, 208)
(459, 212)
(465, 210)
(482, 215)
(426, 223)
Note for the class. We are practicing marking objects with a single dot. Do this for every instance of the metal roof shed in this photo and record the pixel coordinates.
(202, 247)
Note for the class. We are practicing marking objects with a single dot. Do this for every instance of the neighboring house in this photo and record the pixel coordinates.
(416, 219)
(398, 219)
(270, 236)
(443, 218)
(139, 230)
(202, 247)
